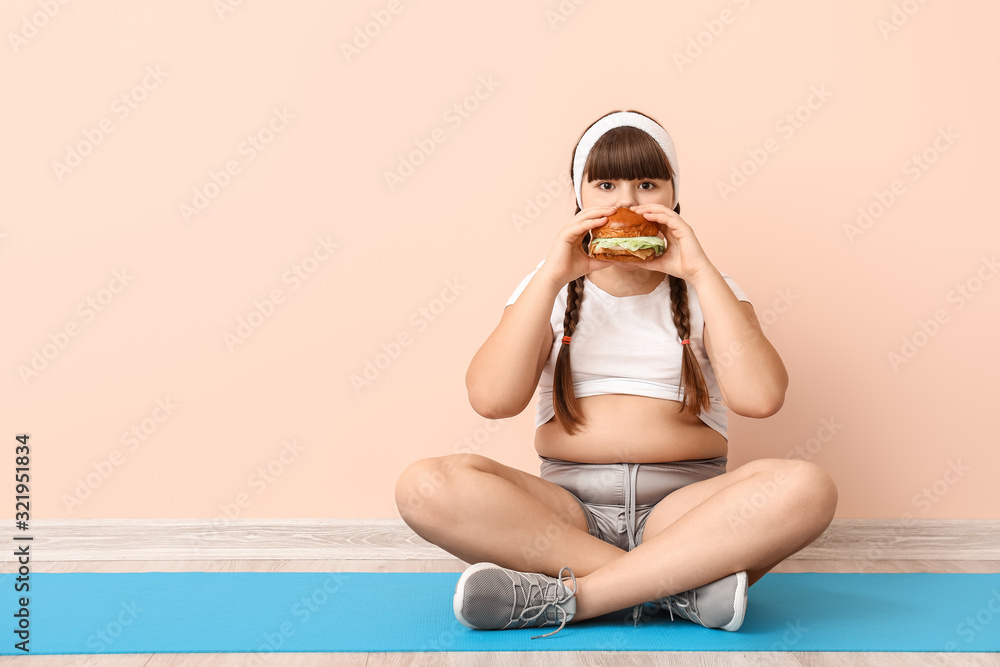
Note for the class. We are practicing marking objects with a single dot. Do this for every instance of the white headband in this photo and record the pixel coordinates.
(619, 119)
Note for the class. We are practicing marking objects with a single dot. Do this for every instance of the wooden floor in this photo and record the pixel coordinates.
(387, 545)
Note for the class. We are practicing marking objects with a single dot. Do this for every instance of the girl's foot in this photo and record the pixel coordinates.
(490, 597)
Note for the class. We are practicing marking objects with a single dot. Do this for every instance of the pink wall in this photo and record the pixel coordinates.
(430, 261)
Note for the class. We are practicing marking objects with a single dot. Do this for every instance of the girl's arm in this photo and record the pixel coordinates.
(749, 371)
(751, 375)
(504, 372)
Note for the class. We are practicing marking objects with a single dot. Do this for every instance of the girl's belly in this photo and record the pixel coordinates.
(622, 428)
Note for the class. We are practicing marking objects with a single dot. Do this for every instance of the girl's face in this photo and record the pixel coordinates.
(626, 192)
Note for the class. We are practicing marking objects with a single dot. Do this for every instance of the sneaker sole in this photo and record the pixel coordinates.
(739, 603)
(460, 592)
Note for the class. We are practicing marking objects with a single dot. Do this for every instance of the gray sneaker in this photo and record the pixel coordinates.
(721, 604)
(490, 597)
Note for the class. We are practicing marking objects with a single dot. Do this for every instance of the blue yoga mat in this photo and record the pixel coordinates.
(230, 612)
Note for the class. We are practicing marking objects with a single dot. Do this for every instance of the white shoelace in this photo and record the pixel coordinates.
(530, 613)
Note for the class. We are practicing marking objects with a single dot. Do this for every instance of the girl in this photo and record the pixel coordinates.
(633, 499)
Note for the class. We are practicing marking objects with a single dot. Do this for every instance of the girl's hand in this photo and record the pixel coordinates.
(684, 256)
(567, 260)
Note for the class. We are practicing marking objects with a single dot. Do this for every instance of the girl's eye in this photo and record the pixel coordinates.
(603, 183)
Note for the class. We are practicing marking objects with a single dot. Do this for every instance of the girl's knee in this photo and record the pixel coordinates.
(813, 486)
(811, 476)
(807, 481)
(820, 488)
(769, 467)
(428, 481)
(467, 460)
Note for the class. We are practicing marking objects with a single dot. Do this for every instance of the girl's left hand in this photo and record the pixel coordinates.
(684, 256)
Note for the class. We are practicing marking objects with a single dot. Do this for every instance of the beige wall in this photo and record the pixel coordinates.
(169, 288)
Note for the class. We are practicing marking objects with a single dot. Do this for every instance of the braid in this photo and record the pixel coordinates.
(574, 295)
(567, 409)
(695, 391)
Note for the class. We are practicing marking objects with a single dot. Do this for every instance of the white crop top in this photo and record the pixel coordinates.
(629, 345)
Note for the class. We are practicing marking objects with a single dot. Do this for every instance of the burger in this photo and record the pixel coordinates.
(626, 237)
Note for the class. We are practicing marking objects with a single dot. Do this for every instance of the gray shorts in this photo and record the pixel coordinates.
(618, 497)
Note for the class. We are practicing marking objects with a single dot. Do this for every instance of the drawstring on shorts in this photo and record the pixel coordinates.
(630, 483)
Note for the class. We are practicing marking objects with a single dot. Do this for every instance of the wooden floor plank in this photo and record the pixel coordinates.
(391, 539)
(255, 659)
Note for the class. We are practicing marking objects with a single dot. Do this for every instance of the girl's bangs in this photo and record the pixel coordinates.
(626, 153)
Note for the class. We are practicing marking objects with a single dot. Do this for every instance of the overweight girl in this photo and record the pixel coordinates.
(637, 366)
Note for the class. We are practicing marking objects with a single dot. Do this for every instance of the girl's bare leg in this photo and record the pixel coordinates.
(770, 509)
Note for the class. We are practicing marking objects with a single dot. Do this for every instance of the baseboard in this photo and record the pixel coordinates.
(391, 539)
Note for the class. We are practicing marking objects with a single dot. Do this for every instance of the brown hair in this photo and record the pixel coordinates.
(625, 153)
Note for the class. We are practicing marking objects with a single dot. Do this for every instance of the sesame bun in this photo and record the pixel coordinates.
(626, 224)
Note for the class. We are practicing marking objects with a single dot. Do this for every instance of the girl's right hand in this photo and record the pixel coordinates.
(567, 259)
